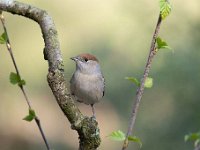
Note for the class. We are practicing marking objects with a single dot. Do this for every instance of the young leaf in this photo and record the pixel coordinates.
(32, 113)
(161, 43)
(3, 38)
(148, 83)
(192, 137)
(117, 136)
(14, 78)
(30, 116)
(165, 8)
(134, 80)
(135, 139)
(22, 82)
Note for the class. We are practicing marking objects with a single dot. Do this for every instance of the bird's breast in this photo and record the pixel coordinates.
(89, 88)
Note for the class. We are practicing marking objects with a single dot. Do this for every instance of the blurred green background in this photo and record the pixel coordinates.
(119, 33)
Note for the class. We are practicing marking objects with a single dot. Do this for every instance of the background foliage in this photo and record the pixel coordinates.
(119, 33)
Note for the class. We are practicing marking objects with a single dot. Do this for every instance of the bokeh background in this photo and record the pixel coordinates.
(119, 33)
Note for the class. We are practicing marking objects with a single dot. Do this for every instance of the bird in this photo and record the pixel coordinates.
(87, 83)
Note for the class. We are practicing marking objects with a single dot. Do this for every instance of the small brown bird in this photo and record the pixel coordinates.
(87, 82)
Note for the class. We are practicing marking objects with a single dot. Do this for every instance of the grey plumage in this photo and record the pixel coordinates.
(87, 82)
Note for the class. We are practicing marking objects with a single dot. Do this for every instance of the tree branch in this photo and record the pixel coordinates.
(37, 120)
(140, 90)
(86, 127)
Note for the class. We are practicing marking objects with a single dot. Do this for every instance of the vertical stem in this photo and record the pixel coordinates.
(12, 57)
(37, 120)
(21, 86)
(152, 53)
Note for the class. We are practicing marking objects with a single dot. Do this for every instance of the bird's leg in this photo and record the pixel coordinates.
(93, 111)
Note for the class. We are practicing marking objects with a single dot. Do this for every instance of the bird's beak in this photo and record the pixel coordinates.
(73, 58)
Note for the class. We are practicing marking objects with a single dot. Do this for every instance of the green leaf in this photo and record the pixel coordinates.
(134, 80)
(3, 38)
(117, 136)
(30, 116)
(148, 83)
(22, 82)
(32, 113)
(165, 8)
(162, 44)
(192, 137)
(16, 79)
(120, 136)
(135, 139)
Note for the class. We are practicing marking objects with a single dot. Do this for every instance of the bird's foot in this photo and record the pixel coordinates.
(93, 117)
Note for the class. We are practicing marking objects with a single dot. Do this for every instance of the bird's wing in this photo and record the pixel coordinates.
(103, 86)
(72, 86)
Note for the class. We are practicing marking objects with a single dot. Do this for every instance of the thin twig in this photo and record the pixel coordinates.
(140, 90)
(21, 86)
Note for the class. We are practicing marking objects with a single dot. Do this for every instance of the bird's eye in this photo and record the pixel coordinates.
(85, 59)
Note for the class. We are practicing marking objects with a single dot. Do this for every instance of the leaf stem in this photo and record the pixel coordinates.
(8, 45)
(140, 90)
